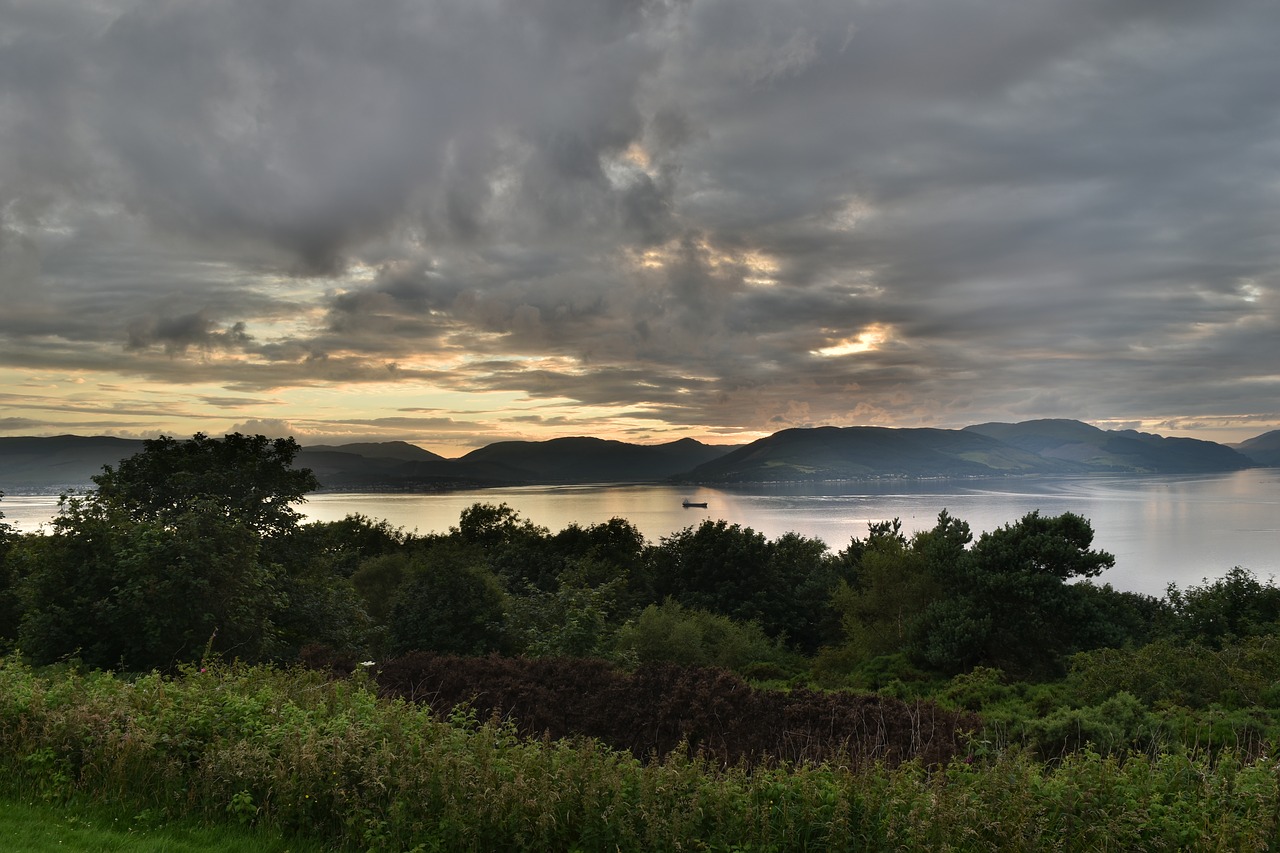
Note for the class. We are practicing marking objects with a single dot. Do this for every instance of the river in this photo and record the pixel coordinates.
(1160, 529)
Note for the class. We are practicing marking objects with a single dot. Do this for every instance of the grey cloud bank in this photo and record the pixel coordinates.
(453, 221)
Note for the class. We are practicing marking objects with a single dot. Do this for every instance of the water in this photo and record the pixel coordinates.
(1160, 529)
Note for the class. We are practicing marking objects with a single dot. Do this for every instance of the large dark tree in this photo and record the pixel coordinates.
(247, 477)
(446, 605)
(784, 585)
(175, 552)
(138, 594)
(1008, 601)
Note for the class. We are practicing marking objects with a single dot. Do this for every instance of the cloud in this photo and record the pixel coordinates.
(190, 331)
(712, 215)
(270, 427)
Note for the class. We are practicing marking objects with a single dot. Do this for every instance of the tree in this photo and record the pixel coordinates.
(1006, 602)
(880, 615)
(784, 585)
(176, 550)
(1235, 605)
(447, 605)
(249, 478)
(894, 583)
(138, 594)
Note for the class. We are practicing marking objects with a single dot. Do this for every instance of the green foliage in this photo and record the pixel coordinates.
(1233, 606)
(177, 550)
(1007, 602)
(672, 633)
(294, 753)
(343, 545)
(248, 478)
(10, 611)
(614, 549)
(1170, 672)
(324, 606)
(319, 606)
(446, 605)
(784, 585)
(1117, 724)
(896, 583)
(977, 689)
(378, 582)
(113, 590)
(576, 620)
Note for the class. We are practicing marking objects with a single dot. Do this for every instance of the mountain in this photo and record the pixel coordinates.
(1114, 451)
(373, 465)
(833, 453)
(69, 461)
(587, 460)
(822, 453)
(401, 450)
(60, 462)
(505, 463)
(1263, 449)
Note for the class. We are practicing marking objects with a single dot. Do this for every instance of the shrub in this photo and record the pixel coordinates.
(672, 633)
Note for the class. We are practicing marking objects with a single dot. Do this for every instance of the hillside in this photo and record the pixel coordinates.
(821, 453)
(1123, 451)
(587, 460)
(401, 450)
(1263, 449)
(832, 453)
(59, 462)
(68, 462)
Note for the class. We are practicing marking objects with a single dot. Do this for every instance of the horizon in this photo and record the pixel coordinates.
(311, 443)
(454, 224)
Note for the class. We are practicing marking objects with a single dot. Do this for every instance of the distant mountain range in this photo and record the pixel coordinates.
(822, 453)
(1264, 449)
(984, 450)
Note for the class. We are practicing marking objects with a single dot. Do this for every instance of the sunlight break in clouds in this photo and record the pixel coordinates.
(865, 341)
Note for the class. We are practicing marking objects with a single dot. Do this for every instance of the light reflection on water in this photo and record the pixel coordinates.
(1161, 529)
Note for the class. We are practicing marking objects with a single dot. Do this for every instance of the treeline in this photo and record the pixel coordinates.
(193, 548)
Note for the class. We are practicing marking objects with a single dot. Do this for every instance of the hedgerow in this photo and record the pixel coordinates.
(296, 752)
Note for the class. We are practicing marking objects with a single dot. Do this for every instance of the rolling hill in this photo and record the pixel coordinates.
(587, 460)
(821, 453)
(1263, 449)
(835, 453)
(60, 462)
(1118, 451)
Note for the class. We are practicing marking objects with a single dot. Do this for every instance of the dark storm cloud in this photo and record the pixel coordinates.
(734, 213)
(179, 334)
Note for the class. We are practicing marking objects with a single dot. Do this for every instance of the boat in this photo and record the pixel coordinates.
(689, 504)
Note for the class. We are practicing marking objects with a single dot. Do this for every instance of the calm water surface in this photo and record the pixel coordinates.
(1161, 529)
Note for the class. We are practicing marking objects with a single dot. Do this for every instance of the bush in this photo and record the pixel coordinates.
(671, 633)
(661, 708)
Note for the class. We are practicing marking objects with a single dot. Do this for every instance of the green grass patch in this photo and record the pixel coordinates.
(36, 827)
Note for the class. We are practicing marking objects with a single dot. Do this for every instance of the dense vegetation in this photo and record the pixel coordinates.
(713, 690)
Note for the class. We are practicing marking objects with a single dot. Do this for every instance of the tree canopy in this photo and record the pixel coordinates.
(167, 557)
(248, 477)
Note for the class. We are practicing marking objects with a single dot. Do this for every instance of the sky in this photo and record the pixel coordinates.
(455, 222)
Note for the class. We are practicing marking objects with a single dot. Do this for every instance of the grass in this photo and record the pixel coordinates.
(251, 756)
(34, 827)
